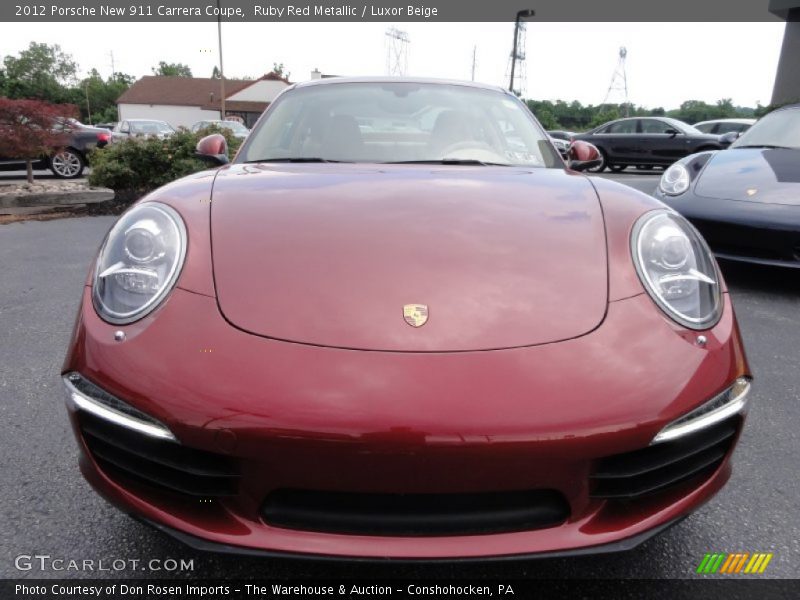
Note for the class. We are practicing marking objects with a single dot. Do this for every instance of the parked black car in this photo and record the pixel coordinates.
(647, 142)
(560, 134)
(745, 200)
(69, 161)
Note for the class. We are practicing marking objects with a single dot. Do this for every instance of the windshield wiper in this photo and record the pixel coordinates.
(448, 161)
(768, 146)
(294, 159)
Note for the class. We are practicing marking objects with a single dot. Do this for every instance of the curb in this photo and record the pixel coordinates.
(56, 198)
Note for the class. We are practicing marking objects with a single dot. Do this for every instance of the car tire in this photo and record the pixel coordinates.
(602, 166)
(67, 164)
(617, 168)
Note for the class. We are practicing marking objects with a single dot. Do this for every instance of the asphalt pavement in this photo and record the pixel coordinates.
(47, 507)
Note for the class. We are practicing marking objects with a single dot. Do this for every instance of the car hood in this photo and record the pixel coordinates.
(331, 254)
(767, 175)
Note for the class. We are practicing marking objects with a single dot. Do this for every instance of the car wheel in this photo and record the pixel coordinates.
(617, 168)
(603, 161)
(67, 164)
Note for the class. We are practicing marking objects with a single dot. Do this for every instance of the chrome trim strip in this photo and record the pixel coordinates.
(732, 406)
(77, 400)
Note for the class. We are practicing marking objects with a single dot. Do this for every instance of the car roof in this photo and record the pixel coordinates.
(389, 79)
(736, 120)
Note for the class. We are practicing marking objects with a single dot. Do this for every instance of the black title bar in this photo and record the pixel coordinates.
(382, 10)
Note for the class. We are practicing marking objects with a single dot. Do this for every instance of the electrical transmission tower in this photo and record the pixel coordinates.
(619, 81)
(520, 72)
(396, 51)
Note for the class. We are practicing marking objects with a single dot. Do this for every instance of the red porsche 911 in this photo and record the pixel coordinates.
(399, 325)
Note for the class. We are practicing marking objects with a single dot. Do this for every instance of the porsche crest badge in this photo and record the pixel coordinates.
(415, 315)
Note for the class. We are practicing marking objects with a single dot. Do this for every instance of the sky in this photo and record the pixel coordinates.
(667, 63)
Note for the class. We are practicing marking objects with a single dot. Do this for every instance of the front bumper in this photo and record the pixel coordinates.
(295, 417)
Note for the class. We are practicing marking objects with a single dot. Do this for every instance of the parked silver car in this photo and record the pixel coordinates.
(236, 128)
(141, 128)
(720, 126)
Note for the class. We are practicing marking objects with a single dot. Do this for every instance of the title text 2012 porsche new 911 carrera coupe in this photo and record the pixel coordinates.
(400, 325)
(745, 200)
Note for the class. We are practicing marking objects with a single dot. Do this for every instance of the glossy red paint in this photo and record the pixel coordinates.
(325, 418)
(583, 151)
(589, 377)
(212, 146)
(329, 254)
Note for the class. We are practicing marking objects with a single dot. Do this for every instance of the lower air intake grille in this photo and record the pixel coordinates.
(658, 467)
(414, 514)
(159, 463)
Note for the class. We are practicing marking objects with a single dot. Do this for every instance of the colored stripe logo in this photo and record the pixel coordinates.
(740, 562)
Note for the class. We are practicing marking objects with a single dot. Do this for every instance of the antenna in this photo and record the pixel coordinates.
(619, 80)
(113, 69)
(396, 51)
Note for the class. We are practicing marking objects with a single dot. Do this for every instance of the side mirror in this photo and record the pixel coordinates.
(583, 155)
(728, 138)
(672, 132)
(213, 149)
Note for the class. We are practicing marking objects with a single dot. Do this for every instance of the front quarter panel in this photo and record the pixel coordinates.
(622, 206)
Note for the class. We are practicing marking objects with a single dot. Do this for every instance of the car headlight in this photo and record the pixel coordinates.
(677, 269)
(138, 263)
(675, 180)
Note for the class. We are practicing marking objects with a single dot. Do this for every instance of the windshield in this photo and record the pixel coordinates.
(233, 126)
(150, 127)
(682, 127)
(779, 128)
(395, 122)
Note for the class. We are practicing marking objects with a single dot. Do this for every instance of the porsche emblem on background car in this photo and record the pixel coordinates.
(415, 315)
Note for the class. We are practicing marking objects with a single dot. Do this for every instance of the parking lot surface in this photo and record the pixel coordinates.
(49, 509)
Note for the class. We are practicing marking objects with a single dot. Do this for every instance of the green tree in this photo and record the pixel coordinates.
(172, 70)
(280, 70)
(41, 71)
(98, 96)
(215, 74)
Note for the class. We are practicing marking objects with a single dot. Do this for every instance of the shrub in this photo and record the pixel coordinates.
(135, 166)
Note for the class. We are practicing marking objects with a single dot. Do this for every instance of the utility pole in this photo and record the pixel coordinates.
(88, 108)
(523, 14)
(221, 70)
(619, 80)
(397, 51)
(474, 52)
